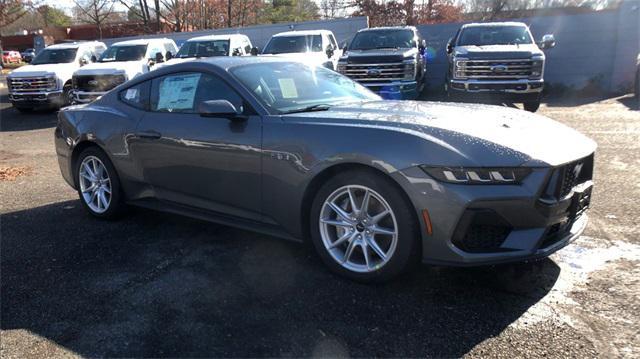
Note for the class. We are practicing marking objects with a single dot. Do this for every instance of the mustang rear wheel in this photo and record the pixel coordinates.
(363, 228)
(98, 183)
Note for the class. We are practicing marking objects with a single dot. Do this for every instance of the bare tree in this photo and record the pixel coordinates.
(96, 11)
(11, 11)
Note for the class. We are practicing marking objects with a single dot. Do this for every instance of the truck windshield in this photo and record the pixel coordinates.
(383, 39)
(55, 56)
(296, 87)
(124, 53)
(204, 49)
(292, 44)
(494, 35)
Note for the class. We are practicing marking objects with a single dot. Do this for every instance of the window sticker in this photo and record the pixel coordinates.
(288, 88)
(178, 92)
(131, 94)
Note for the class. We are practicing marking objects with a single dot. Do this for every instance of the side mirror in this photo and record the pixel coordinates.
(159, 57)
(168, 56)
(450, 46)
(344, 45)
(422, 47)
(329, 51)
(254, 51)
(236, 52)
(93, 58)
(218, 108)
(548, 41)
(83, 61)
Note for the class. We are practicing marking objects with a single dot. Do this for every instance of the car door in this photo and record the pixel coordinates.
(211, 163)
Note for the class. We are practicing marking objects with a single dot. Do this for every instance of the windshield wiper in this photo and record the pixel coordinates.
(317, 107)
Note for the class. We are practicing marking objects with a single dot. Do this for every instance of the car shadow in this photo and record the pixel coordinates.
(158, 285)
(14, 120)
(632, 102)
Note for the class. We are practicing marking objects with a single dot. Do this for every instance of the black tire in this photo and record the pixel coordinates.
(116, 205)
(532, 106)
(407, 251)
(66, 96)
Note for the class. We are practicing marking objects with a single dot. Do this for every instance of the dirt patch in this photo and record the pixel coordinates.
(11, 173)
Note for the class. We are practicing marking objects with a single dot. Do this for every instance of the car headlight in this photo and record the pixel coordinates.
(537, 67)
(409, 69)
(478, 175)
(459, 68)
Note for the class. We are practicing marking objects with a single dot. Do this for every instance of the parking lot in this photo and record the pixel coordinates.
(158, 285)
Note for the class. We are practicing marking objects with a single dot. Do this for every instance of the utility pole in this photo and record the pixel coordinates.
(229, 14)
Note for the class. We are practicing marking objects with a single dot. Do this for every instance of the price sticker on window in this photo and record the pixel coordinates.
(288, 88)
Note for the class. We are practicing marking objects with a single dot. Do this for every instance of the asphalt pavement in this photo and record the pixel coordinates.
(160, 285)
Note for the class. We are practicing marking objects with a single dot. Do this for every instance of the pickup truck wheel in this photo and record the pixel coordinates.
(67, 95)
(363, 228)
(532, 106)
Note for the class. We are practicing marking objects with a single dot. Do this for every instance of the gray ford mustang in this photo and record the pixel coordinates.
(304, 153)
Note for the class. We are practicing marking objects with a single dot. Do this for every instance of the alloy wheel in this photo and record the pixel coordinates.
(95, 184)
(358, 228)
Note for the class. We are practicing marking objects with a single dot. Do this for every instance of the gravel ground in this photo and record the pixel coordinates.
(158, 285)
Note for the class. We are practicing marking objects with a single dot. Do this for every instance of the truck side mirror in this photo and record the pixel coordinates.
(344, 45)
(254, 51)
(422, 47)
(236, 52)
(83, 61)
(450, 46)
(548, 41)
(159, 57)
(329, 51)
(168, 56)
(93, 58)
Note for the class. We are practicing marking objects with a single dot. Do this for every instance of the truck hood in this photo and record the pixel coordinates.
(130, 68)
(307, 57)
(379, 55)
(481, 135)
(43, 70)
(498, 52)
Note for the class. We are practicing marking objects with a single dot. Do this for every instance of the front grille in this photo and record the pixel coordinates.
(555, 233)
(31, 84)
(380, 73)
(494, 69)
(97, 83)
(566, 177)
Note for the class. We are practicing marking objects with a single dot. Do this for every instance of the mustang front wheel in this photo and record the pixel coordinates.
(364, 228)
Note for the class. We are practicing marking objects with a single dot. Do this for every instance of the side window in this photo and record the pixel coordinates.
(316, 43)
(183, 92)
(154, 49)
(168, 47)
(137, 96)
(247, 46)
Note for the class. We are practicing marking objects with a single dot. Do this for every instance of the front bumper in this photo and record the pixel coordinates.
(25, 99)
(475, 225)
(400, 90)
(516, 90)
(86, 97)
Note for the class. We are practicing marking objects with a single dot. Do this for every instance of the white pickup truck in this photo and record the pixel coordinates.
(211, 45)
(121, 62)
(46, 82)
(317, 47)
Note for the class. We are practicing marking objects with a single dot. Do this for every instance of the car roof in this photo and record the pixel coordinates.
(139, 42)
(215, 37)
(501, 23)
(72, 45)
(388, 28)
(302, 33)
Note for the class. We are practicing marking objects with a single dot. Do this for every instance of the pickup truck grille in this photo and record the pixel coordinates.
(380, 73)
(97, 83)
(495, 69)
(31, 84)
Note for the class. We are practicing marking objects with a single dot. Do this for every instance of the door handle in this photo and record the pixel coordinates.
(152, 135)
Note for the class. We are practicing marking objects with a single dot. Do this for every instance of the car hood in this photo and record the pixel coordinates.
(42, 70)
(482, 135)
(498, 51)
(131, 68)
(406, 52)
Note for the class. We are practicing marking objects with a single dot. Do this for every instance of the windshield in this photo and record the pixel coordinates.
(382, 39)
(293, 86)
(204, 49)
(292, 44)
(494, 35)
(55, 56)
(124, 53)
